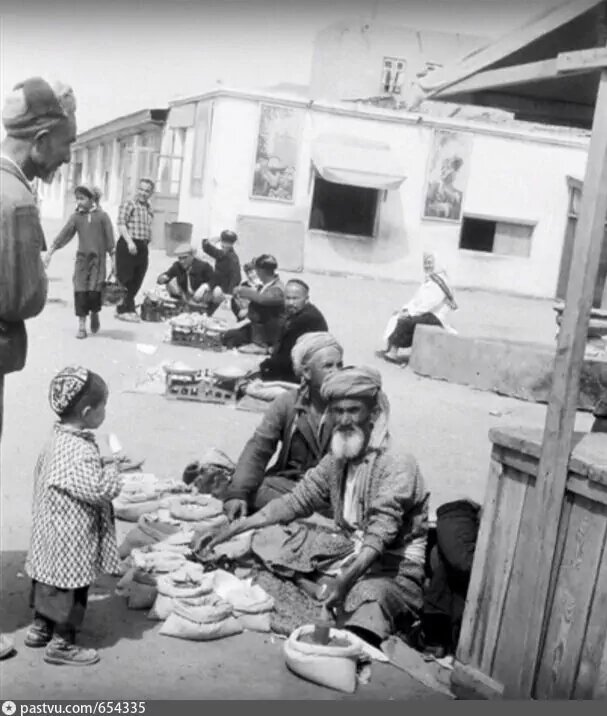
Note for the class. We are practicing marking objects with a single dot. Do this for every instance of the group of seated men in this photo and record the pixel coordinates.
(271, 315)
(336, 458)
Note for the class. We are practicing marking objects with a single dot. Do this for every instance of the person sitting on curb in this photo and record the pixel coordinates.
(296, 421)
(191, 280)
(302, 317)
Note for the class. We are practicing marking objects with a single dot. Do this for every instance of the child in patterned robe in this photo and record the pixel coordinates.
(73, 534)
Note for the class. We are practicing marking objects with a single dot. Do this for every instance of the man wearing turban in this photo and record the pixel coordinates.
(302, 317)
(379, 501)
(296, 421)
(40, 125)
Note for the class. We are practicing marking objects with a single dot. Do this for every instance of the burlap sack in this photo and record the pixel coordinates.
(201, 623)
(183, 583)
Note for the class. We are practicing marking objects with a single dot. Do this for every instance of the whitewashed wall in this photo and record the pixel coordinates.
(510, 178)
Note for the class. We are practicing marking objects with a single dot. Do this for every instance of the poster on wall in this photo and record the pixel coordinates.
(448, 169)
(276, 153)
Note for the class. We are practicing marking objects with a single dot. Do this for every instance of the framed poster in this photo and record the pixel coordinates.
(448, 169)
(276, 153)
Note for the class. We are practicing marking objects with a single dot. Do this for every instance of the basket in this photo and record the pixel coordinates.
(112, 292)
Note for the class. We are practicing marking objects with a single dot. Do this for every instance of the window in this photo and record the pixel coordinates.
(343, 209)
(495, 237)
(393, 75)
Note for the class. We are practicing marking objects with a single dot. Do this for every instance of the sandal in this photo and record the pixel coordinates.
(37, 636)
(81, 333)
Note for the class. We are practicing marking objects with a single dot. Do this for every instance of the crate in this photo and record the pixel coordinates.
(155, 312)
(572, 655)
(205, 340)
(201, 391)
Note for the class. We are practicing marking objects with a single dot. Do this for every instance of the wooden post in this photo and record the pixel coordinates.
(560, 418)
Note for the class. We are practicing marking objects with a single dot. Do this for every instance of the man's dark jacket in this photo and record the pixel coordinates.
(279, 365)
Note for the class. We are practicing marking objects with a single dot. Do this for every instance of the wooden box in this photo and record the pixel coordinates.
(572, 658)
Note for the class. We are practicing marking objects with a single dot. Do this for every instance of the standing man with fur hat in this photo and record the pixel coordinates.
(40, 125)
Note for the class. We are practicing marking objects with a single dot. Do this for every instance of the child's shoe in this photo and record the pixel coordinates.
(39, 634)
(64, 653)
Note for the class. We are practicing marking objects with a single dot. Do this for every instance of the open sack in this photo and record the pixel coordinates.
(328, 665)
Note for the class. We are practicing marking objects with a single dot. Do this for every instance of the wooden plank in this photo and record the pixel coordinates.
(505, 540)
(595, 644)
(518, 461)
(481, 564)
(412, 662)
(600, 688)
(546, 21)
(560, 418)
(582, 60)
(588, 489)
(510, 76)
(507, 662)
(470, 683)
(569, 609)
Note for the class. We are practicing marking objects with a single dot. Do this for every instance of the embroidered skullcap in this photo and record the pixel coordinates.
(308, 345)
(66, 387)
(34, 105)
(352, 382)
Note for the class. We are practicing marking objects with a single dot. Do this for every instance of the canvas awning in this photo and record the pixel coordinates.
(343, 160)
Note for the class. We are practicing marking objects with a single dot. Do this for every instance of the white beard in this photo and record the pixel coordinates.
(347, 445)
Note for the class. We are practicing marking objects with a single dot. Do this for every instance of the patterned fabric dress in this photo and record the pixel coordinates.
(73, 536)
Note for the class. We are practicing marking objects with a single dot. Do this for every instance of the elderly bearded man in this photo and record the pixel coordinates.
(40, 127)
(296, 421)
(378, 499)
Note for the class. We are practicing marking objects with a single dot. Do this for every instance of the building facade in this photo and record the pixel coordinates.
(365, 191)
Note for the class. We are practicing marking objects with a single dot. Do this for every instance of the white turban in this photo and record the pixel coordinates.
(308, 345)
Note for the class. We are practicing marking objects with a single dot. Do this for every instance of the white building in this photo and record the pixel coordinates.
(366, 169)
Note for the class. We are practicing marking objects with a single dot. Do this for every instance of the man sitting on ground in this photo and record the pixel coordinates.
(265, 312)
(302, 317)
(296, 420)
(191, 280)
(378, 499)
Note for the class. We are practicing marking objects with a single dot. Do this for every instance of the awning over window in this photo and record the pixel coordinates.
(349, 160)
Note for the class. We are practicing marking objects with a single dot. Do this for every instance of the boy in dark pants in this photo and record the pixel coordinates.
(227, 263)
(135, 218)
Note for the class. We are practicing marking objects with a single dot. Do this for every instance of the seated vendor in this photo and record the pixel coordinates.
(191, 280)
(227, 263)
(240, 306)
(266, 308)
(297, 422)
(379, 501)
(302, 317)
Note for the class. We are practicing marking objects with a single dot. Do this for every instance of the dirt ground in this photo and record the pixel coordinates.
(445, 426)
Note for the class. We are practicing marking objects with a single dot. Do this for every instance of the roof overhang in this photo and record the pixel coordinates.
(123, 126)
(546, 71)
